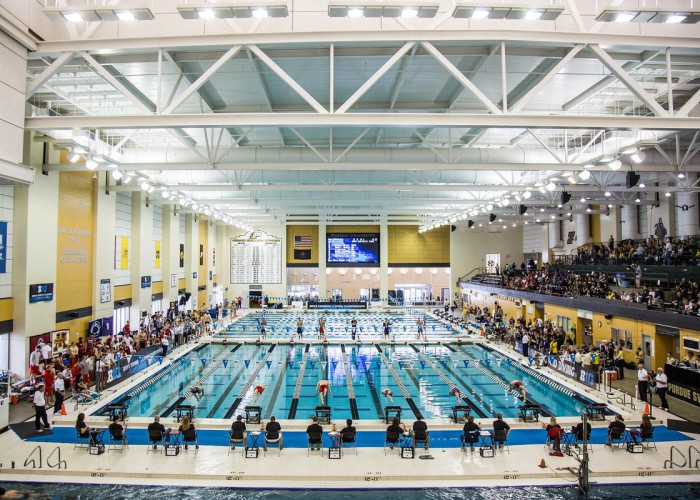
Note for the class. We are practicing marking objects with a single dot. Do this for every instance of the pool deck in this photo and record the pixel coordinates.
(52, 458)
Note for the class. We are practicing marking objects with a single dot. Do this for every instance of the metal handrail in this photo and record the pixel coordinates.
(672, 463)
(476, 270)
(690, 460)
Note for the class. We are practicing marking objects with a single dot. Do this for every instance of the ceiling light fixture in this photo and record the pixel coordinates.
(125, 15)
(356, 12)
(681, 175)
(73, 157)
(145, 185)
(533, 14)
(624, 17)
(73, 17)
(481, 13)
(638, 157)
(409, 12)
(206, 14)
(91, 164)
(584, 175)
(615, 165)
(127, 179)
(259, 12)
(116, 175)
(551, 186)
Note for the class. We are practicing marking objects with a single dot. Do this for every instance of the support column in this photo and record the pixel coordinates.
(554, 231)
(629, 222)
(222, 277)
(35, 242)
(103, 247)
(384, 262)
(141, 255)
(687, 211)
(583, 229)
(170, 253)
(209, 248)
(191, 258)
(322, 276)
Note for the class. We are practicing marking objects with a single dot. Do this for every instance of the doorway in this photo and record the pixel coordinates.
(255, 297)
(648, 351)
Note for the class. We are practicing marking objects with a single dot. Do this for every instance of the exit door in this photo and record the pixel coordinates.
(648, 351)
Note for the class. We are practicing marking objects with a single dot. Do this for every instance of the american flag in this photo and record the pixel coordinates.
(302, 242)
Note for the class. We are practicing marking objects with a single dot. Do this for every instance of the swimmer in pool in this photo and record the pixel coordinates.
(197, 392)
(257, 391)
(517, 384)
(388, 394)
(457, 394)
(323, 388)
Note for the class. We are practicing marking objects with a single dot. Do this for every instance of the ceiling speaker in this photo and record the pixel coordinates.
(565, 197)
(632, 179)
(492, 217)
(470, 224)
(522, 209)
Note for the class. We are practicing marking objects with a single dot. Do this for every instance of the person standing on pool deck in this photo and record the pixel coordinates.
(353, 328)
(321, 327)
(257, 391)
(322, 388)
(517, 384)
(300, 328)
(385, 326)
(387, 393)
(419, 323)
(642, 382)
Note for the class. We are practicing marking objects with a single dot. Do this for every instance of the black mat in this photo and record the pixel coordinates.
(26, 430)
(683, 426)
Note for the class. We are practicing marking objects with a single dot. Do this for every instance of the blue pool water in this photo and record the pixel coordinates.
(616, 492)
(415, 373)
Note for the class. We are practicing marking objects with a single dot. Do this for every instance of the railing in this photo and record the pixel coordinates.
(476, 271)
(687, 459)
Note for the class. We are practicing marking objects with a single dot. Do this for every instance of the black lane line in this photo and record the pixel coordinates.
(229, 388)
(239, 399)
(275, 392)
(295, 401)
(411, 404)
(372, 389)
(355, 414)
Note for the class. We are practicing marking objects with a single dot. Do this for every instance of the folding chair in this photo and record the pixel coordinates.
(154, 439)
(273, 439)
(236, 437)
(470, 438)
(81, 441)
(190, 436)
(648, 440)
(315, 438)
(422, 439)
(117, 443)
(616, 436)
(391, 439)
(500, 440)
(349, 440)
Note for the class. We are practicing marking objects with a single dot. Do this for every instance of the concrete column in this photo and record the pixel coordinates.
(384, 262)
(103, 247)
(35, 243)
(322, 281)
(610, 223)
(170, 253)
(687, 211)
(554, 231)
(223, 277)
(208, 262)
(630, 222)
(583, 229)
(191, 258)
(141, 255)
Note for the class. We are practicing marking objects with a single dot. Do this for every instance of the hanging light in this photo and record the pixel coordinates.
(551, 186)
(165, 193)
(584, 175)
(615, 165)
(145, 185)
(116, 175)
(127, 179)
(91, 164)
(73, 157)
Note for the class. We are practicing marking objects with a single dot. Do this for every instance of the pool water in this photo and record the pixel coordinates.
(414, 373)
(614, 492)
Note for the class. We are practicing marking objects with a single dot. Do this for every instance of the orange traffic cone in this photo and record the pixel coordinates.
(542, 464)
(646, 409)
(63, 409)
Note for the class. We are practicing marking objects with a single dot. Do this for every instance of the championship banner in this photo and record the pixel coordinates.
(123, 252)
(156, 263)
(3, 247)
(182, 255)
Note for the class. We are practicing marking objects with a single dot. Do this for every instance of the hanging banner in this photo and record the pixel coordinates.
(247, 363)
(422, 364)
(107, 326)
(269, 363)
(3, 247)
(466, 363)
(225, 363)
(182, 255)
(487, 362)
(95, 328)
(123, 252)
(156, 262)
(204, 361)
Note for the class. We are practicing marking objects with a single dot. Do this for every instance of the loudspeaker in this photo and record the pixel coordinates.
(565, 197)
(608, 316)
(184, 298)
(632, 179)
(522, 209)
(492, 217)
(453, 227)
(470, 224)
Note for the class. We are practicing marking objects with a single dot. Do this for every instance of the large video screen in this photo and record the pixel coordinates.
(357, 249)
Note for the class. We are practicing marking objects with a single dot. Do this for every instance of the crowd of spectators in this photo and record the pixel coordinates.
(650, 251)
(552, 281)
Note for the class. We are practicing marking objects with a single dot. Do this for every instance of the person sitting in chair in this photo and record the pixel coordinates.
(84, 430)
(578, 431)
(420, 431)
(117, 430)
(238, 431)
(615, 429)
(501, 430)
(155, 427)
(393, 432)
(188, 432)
(347, 433)
(644, 430)
(554, 433)
(471, 432)
(316, 431)
(273, 433)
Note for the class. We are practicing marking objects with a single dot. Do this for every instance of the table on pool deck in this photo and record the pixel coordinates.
(485, 439)
(253, 437)
(335, 438)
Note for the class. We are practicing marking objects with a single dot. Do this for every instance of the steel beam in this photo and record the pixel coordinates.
(46, 75)
(198, 120)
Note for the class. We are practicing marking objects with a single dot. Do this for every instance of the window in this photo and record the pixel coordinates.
(564, 322)
(121, 316)
(156, 306)
(622, 337)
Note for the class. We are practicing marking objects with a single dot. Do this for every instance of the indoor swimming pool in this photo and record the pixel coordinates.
(420, 377)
